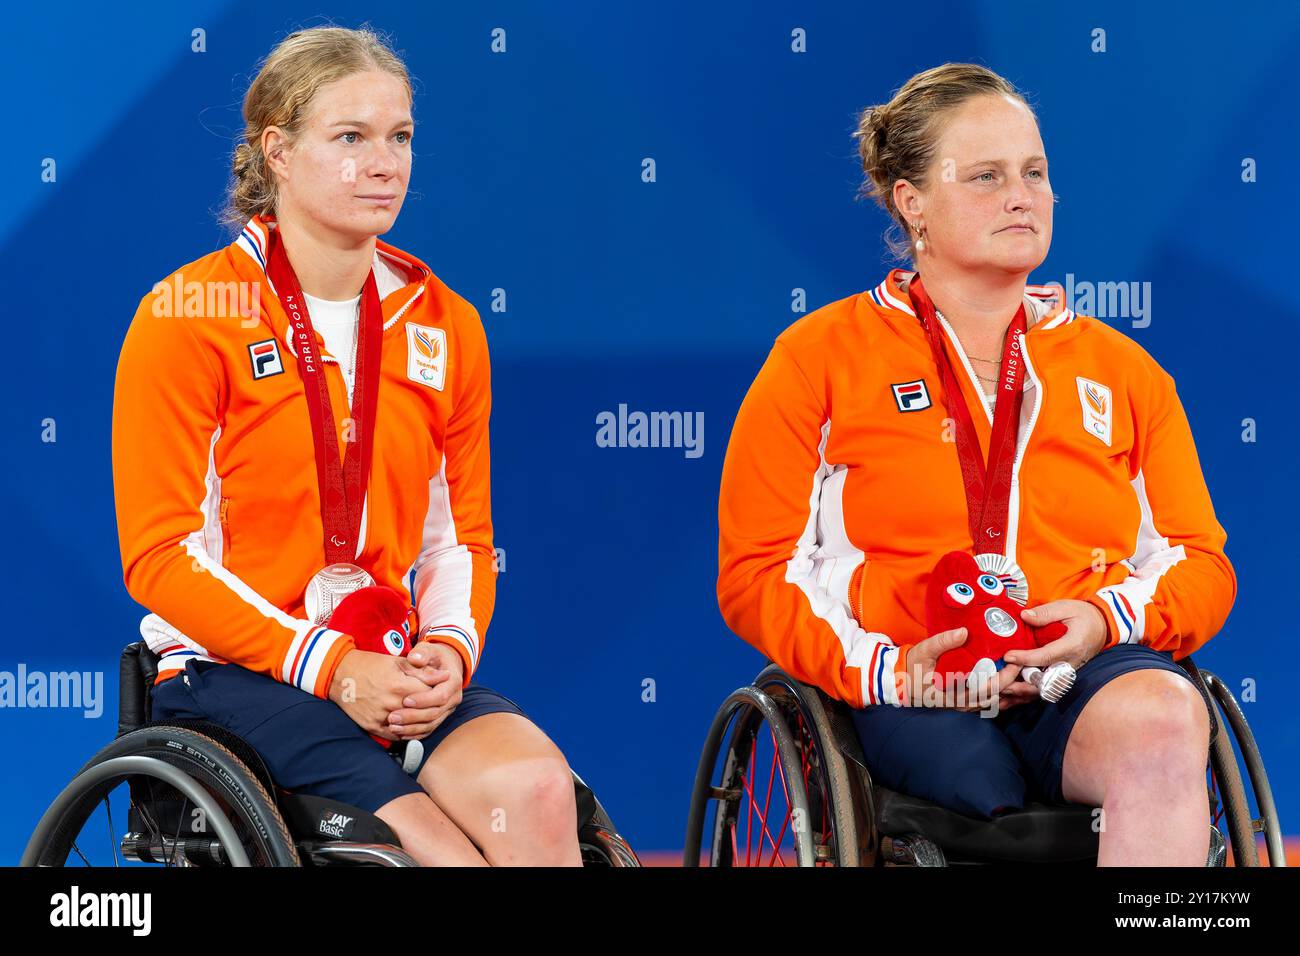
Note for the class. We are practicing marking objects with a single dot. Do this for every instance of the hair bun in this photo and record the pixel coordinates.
(882, 118)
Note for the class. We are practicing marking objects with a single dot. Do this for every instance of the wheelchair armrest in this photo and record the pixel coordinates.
(137, 670)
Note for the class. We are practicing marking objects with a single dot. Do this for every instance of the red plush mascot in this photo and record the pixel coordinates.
(962, 594)
(379, 619)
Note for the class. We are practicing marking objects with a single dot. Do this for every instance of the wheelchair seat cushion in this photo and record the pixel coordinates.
(1036, 832)
(316, 818)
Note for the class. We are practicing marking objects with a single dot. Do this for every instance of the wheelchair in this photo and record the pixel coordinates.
(829, 812)
(199, 795)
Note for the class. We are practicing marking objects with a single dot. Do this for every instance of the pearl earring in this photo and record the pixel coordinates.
(920, 239)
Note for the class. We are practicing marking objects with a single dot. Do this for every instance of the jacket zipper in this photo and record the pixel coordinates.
(224, 515)
(1033, 415)
(1021, 447)
(402, 311)
(970, 372)
(855, 592)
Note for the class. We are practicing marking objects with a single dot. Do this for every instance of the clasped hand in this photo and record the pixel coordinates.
(399, 698)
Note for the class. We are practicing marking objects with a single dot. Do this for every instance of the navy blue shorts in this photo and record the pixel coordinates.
(979, 766)
(309, 745)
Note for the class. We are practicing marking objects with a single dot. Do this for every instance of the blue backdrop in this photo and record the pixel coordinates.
(661, 296)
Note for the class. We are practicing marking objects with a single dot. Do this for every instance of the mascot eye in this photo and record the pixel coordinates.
(961, 593)
(990, 583)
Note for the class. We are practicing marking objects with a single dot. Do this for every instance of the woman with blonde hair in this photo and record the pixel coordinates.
(953, 407)
(330, 433)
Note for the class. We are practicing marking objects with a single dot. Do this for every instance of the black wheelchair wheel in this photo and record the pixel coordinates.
(1227, 778)
(1268, 820)
(598, 839)
(838, 835)
(601, 846)
(772, 731)
(189, 801)
(737, 725)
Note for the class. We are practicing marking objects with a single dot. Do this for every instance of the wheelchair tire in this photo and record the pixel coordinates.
(601, 846)
(1241, 833)
(242, 804)
(1259, 784)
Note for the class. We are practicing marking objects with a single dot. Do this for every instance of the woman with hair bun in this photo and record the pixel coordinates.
(305, 412)
(954, 407)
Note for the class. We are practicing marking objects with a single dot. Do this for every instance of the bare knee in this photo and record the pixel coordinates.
(1144, 733)
(539, 818)
(1161, 733)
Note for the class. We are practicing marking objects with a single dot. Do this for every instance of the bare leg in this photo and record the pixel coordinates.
(427, 834)
(1138, 751)
(508, 787)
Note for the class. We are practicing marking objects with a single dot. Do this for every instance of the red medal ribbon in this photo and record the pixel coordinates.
(342, 484)
(988, 489)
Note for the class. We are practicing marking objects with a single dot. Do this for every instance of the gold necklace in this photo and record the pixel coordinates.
(989, 380)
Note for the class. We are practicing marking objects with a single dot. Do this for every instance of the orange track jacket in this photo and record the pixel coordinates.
(841, 488)
(214, 469)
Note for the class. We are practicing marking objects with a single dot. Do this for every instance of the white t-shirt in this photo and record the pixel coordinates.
(337, 324)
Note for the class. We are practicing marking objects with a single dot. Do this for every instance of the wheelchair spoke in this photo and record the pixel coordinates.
(746, 783)
(112, 839)
(767, 803)
(765, 834)
(180, 824)
(789, 812)
(776, 849)
(762, 822)
(155, 831)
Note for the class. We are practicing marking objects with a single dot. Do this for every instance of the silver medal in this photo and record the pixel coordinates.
(329, 586)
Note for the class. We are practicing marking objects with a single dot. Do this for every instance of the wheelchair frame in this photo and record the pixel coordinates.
(842, 818)
(240, 807)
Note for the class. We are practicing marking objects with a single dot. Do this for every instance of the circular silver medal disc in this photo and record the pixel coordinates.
(329, 586)
(1000, 622)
